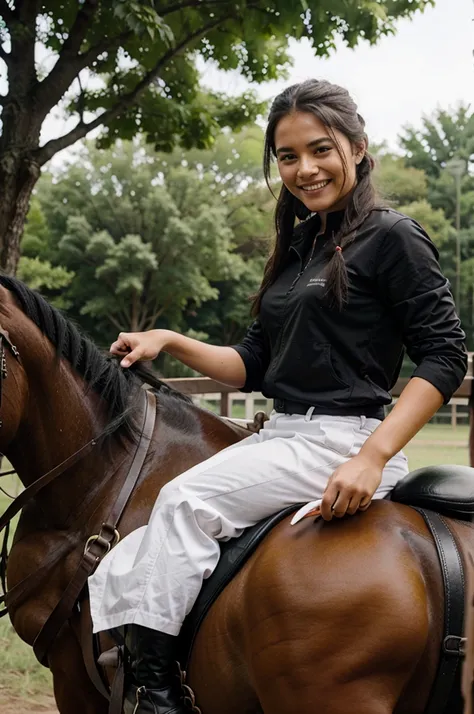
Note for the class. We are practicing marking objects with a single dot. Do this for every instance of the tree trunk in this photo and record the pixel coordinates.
(22, 117)
(18, 176)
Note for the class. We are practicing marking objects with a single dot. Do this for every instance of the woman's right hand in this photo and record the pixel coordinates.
(135, 346)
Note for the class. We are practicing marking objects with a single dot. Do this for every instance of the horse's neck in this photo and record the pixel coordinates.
(60, 419)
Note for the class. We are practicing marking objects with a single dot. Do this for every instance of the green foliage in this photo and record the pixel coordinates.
(432, 219)
(398, 183)
(141, 58)
(445, 135)
(41, 275)
(145, 247)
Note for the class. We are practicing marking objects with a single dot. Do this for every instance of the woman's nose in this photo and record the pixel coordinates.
(308, 166)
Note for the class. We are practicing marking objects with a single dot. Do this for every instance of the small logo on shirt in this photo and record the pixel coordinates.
(317, 282)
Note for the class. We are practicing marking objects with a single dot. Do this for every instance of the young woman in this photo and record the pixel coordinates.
(345, 290)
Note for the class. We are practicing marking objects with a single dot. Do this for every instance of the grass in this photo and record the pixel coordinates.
(22, 676)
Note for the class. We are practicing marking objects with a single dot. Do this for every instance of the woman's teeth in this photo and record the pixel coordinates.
(316, 186)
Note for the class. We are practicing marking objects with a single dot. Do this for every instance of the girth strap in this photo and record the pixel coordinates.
(444, 694)
(98, 545)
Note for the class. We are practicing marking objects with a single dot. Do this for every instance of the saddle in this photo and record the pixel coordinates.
(434, 491)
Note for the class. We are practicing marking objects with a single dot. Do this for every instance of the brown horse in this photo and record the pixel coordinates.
(325, 618)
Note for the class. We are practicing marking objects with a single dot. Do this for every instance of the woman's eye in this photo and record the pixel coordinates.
(323, 149)
(287, 157)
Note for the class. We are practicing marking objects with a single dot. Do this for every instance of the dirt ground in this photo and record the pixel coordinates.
(39, 705)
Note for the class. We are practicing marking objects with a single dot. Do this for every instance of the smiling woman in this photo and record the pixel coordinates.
(320, 172)
(318, 138)
(348, 287)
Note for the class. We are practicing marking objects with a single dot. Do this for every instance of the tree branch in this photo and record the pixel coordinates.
(80, 101)
(104, 46)
(116, 323)
(65, 70)
(45, 153)
(23, 78)
(74, 68)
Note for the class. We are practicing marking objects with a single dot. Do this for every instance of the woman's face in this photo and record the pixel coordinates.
(310, 165)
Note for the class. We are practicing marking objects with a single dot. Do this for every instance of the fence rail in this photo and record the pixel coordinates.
(200, 386)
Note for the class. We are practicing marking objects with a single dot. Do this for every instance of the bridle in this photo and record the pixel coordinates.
(20, 501)
(5, 343)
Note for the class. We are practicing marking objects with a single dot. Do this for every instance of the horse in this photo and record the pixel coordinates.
(323, 617)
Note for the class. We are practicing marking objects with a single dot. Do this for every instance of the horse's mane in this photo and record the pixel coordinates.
(101, 372)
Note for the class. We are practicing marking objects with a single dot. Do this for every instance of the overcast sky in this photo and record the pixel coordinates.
(429, 63)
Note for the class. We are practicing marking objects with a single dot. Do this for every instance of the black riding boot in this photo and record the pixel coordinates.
(154, 687)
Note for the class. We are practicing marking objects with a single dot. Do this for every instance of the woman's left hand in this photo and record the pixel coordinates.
(351, 487)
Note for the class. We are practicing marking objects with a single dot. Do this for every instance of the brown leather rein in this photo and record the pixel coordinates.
(96, 546)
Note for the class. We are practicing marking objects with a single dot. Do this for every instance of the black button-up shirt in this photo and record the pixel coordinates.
(340, 361)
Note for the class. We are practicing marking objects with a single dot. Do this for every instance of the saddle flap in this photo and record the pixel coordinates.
(445, 489)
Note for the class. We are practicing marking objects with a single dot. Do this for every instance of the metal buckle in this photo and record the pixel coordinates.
(454, 645)
(102, 542)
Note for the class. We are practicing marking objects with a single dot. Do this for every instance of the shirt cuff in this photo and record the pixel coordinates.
(446, 378)
(253, 373)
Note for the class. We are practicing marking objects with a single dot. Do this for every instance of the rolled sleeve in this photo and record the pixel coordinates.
(419, 297)
(255, 354)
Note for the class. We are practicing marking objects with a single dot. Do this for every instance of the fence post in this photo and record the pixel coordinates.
(225, 404)
(249, 408)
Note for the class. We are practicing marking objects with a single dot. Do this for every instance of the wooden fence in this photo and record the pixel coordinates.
(204, 387)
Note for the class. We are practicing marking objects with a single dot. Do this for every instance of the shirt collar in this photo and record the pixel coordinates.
(311, 225)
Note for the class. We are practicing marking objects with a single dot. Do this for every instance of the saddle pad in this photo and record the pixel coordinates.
(234, 554)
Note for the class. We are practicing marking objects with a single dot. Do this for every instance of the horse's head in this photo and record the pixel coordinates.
(62, 391)
(13, 378)
(58, 389)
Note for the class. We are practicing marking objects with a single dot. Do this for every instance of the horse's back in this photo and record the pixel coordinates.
(344, 612)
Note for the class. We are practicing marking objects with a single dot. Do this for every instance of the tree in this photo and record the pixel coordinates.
(144, 247)
(129, 66)
(447, 134)
(444, 135)
(397, 183)
(433, 221)
(41, 274)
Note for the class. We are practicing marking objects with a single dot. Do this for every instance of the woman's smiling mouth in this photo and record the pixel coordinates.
(311, 188)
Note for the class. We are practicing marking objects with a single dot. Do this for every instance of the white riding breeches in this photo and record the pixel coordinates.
(154, 575)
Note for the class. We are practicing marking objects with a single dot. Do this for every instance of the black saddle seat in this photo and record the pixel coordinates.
(445, 489)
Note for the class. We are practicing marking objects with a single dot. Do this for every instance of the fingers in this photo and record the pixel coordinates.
(339, 503)
(122, 344)
(329, 498)
(115, 349)
(126, 346)
(134, 356)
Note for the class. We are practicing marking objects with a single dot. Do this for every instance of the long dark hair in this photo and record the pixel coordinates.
(335, 108)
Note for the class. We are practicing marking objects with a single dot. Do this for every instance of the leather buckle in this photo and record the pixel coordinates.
(101, 541)
(454, 645)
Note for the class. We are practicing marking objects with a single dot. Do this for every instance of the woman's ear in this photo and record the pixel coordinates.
(359, 151)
